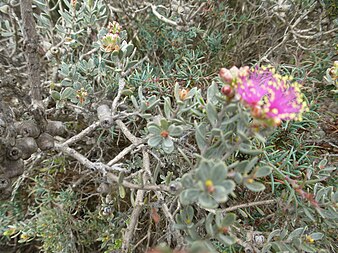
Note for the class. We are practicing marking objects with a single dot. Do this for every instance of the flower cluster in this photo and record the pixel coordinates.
(270, 96)
(110, 42)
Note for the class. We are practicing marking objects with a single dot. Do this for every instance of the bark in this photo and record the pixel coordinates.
(31, 42)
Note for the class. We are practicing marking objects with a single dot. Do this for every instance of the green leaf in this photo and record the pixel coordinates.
(211, 114)
(212, 92)
(208, 224)
(273, 234)
(295, 233)
(169, 149)
(154, 129)
(250, 164)
(317, 236)
(229, 219)
(225, 239)
(189, 196)
(200, 135)
(250, 151)
(129, 49)
(133, 100)
(167, 142)
(220, 194)
(67, 93)
(219, 172)
(122, 191)
(307, 248)
(55, 95)
(263, 171)
(167, 107)
(255, 186)
(164, 124)
(154, 141)
(229, 186)
(206, 201)
(175, 130)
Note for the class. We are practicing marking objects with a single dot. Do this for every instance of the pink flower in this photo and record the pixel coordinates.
(270, 96)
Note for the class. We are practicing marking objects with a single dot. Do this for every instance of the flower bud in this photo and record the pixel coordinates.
(226, 75)
(234, 71)
(183, 93)
(228, 91)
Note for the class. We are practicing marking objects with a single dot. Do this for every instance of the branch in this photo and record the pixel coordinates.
(137, 209)
(162, 18)
(31, 53)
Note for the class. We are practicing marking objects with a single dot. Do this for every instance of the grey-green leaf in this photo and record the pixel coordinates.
(154, 141)
(175, 130)
(263, 171)
(189, 196)
(255, 186)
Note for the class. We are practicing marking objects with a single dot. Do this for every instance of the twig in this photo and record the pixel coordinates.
(122, 154)
(162, 18)
(122, 83)
(85, 161)
(258, 203)
(233, 208)
(82, 134)
(137, 209)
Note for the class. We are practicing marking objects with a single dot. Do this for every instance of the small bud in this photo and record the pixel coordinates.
(210, 186)
(228, 91)
(234, 71)
(226, 75)
(164, 134)
(183, 93)
(105, 116)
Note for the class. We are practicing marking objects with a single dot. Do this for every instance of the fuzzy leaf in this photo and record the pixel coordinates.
(175, 130)
(189, 196)
(227, 240)
(317, 236)
(154, 141)
(229, 219)
(255, 186)
(263, 171)
(211, 114)
(206, 201)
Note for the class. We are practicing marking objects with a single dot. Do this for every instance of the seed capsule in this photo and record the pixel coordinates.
(14, 153)
(27, 128)
(12, 168)
(45, 141)
(55, 128)
(105, 116)
(27, 146)
(4, 182)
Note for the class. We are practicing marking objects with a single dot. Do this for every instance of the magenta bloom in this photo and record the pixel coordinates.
(270, 96)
